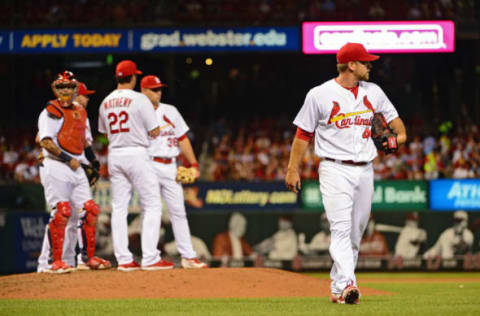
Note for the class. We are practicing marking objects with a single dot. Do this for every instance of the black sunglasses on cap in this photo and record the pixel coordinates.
(159, 89)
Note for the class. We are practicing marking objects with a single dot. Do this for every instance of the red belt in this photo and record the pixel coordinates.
(163, 160)
(347, 162)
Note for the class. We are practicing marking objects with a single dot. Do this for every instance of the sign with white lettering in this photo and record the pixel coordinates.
(448, 195)
(217, 39)
(388, 195)
(380, 37)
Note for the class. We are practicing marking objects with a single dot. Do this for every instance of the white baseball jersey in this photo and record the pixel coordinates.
(342, 122)
(49, 127)
(126, 116)
(172, 126)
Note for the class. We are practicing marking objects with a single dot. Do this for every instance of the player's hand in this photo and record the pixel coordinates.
(74, 164)
(154, 132)
(292, 181)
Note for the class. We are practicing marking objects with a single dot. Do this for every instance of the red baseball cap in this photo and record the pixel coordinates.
(354, 52)
(127, 68)
(82, 89)
(150, 82)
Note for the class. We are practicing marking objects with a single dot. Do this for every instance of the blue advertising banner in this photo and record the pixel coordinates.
(30, 229)
(256, 196)
(72, 41)
(217, 39)
(151, 40)
(5, 41)
(447, 195)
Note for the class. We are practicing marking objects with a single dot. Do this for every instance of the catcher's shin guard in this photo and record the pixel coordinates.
(56, 228)
(89, 228)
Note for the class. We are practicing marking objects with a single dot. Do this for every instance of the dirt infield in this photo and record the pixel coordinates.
(177, 283)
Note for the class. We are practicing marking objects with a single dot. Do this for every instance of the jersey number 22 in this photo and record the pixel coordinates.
(113, 118)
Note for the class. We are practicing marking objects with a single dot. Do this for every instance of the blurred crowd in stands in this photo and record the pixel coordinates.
(259, 151)
(100, 13)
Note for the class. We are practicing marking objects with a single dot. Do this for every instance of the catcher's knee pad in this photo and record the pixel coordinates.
(89, 227)
(92, 211)
(56, 228)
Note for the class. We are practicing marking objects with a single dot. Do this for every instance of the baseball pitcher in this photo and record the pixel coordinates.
(340, 114)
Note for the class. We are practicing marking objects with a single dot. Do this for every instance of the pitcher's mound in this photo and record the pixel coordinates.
(177, 283)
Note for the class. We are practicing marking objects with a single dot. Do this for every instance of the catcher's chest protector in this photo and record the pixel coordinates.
(71, 136)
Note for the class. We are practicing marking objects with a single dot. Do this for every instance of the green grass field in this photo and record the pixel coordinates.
(447, 297)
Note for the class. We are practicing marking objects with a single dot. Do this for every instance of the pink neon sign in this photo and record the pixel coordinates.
(380, 37)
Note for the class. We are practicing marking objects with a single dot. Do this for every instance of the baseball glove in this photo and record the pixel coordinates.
(186, 175)
(382, 135)
(92, 171)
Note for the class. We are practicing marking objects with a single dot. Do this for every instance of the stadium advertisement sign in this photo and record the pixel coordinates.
(217, 39)
(4, 42)
(30, 230)
(380, 37)
(68, 40)
(246, 196)
(450, 194)
(216, 196)
(388, 196)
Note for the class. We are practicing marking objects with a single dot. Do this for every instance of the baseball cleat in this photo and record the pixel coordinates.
(59, 267)
(351, 295)
(132, 266)
(96, 263)
(193, 263)
(337, 298)
(82, 267)
(160, 265)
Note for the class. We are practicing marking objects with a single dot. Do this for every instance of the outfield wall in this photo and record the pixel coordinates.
(262, 205)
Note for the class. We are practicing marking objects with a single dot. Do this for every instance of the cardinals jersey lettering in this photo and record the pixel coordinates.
(172, 126)
(341, 121)
(126, 116)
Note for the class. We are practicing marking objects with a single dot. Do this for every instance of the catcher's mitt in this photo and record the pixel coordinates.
(92, 171)
(382, 135)
(186, 175)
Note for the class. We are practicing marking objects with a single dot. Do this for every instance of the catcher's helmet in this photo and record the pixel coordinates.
(65, 80)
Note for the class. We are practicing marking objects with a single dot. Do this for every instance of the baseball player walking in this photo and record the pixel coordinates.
(128, 119)
(64, 137)
(163, 151)
(84, 231)
(339, 112)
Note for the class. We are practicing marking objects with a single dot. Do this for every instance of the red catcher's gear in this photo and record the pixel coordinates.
(71, 136)
(56, 228)
(89, 227)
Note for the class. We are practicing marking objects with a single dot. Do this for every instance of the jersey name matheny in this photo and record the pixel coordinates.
(341, 122)
(172, 126)
(126, 116)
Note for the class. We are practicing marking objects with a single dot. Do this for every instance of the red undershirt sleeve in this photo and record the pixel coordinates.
(182, 137)
(304, 135)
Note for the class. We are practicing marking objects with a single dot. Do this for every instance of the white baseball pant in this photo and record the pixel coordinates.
(172, 193)
(60, 184)
(130, 167)
(347, 193)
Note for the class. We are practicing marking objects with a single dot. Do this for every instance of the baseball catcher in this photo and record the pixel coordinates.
(187, 175)
(382, 135)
